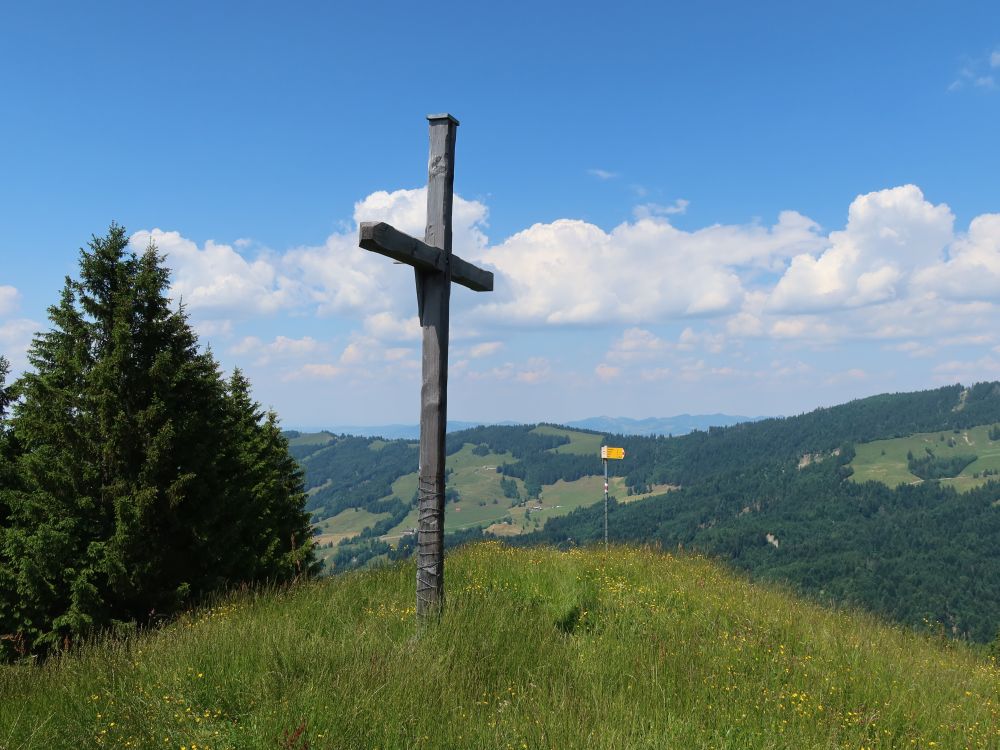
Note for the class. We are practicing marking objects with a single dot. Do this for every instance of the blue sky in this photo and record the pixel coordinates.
(752, 208)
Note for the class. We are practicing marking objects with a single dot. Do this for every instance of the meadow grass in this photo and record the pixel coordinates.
(629, 648)
(582, 443)
(562, 498)
(345, 525)
(349, 522)
(478, 484)
(886, 460)
(312, 438)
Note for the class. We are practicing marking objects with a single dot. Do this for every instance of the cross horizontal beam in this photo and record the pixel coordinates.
(385, 239)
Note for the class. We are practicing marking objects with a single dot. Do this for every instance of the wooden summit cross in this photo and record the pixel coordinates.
(435, 268)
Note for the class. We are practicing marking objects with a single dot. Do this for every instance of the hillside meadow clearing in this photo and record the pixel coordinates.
(481, 499)
(628, 648)
(346, 524)
(581, 443)
(886, 460)
(311, 438)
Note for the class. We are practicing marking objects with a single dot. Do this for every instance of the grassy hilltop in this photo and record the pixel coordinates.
(537, 649)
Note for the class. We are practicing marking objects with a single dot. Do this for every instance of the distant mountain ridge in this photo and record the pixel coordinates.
(680, 424)
(402, 431)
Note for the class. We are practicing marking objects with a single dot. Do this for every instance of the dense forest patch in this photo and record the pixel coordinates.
(930, 466)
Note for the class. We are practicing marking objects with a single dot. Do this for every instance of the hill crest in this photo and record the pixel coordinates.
(536, 649)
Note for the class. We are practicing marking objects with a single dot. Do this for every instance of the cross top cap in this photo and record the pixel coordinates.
(443, 116)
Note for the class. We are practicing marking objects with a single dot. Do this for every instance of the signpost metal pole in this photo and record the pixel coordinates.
(605, 503)
(615, 454)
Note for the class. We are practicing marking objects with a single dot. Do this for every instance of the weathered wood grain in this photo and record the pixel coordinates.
(434, 292)
(385, 239)
(470, 276)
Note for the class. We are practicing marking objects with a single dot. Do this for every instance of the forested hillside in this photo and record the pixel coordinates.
(774, 497)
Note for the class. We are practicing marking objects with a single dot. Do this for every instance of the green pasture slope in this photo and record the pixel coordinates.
(477, 482)
(345, 525)
(481, 499)
(348, 520)
(582, 443)
(309, 438)
(536, 649)
(886, 460)
(564, 497)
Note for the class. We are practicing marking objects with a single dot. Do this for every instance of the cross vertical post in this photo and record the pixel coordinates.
(433, 298)
(435, 268)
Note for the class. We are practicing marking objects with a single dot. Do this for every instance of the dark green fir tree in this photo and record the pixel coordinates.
(8, 636)
(141, 479)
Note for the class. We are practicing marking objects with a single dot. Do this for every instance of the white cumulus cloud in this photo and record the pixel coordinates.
(888, 234)
(602, 174)
(282, 348)
(216, 278)
(15, 338)
(386, 325)
(531, 371)
(314, 371)
(968, 371)
(340, 277)
(607, 372)
(573, 272)
(972, 270)
(637, 345)
(485, 349)
(646, 210)
(896, 270)
(10, 300)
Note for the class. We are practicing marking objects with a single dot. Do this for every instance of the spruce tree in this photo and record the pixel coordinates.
(8, 636)
(143, 479)
(4, 395)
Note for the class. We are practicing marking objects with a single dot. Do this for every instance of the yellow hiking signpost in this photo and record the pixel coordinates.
(612, 454)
